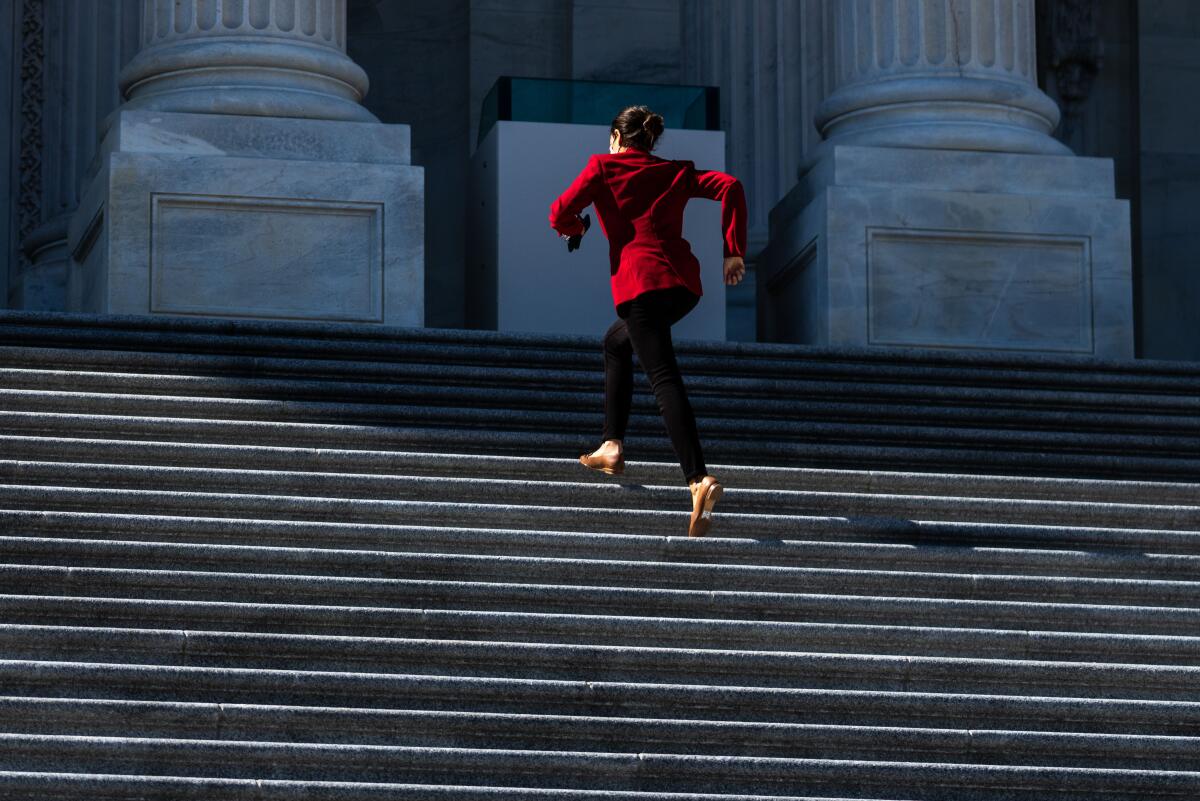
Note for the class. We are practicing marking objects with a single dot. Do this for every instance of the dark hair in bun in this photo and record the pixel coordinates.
(638, 127)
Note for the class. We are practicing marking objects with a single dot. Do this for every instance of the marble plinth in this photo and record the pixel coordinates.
(256, 217)
(886, 246)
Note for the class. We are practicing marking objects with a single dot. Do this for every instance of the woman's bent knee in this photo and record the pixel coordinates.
(665, 380)
(616, 339)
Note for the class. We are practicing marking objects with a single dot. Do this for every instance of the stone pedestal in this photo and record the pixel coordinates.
(938, 211)
(951, 248)
(224, 215)
(242, 177)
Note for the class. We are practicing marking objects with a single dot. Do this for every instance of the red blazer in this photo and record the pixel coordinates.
(639, 198)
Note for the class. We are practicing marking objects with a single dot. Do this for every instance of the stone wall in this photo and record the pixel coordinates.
(454, 50)
(64, 60)
(10, 87)
(1169, 177)
(766, 57)
(416, 55)
(1119, 70)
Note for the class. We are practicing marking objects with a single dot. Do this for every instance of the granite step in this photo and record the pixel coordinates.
(680, 604)
(587, 628)
(819, 542)
(186, 395)
(69, 786)
(830, 706)
(483, 406)
(268, 376)
(652, 772)
(793, 669)
(82, 717)
(933, 426)
(541, 517)
(382, 565)
(624, 495)
(275, 337)
(824, 445)
(1091, 546)
(544, 468)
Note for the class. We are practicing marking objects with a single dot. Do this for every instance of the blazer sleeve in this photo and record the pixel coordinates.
(717, 185)
(564, 211)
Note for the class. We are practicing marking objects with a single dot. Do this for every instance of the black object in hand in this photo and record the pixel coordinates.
(573, 242)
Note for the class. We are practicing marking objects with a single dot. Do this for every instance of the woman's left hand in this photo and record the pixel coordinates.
(735, 269)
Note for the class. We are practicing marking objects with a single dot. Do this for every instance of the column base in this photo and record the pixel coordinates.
(251, 217)
(41, 284)
(42, 287)
(929, 248)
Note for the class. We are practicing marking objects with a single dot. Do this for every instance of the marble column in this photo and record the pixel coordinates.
(273, 58)
(79, 49)
(764, 58)
(956, 74)
(13, 87)
(937, 211)
(242, 177)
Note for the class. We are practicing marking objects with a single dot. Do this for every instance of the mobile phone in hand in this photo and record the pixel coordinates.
(573, 242)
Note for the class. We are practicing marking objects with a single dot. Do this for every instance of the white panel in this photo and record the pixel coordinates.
(543, 288)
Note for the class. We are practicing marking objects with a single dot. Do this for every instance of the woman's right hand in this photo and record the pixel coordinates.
(735, 269)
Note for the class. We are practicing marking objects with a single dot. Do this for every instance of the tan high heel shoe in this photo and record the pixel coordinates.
(613, 466)
(705, 493)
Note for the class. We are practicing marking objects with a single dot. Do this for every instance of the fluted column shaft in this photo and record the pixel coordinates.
(84, 45)
(936, 73)
(760, 57)
(283, 58)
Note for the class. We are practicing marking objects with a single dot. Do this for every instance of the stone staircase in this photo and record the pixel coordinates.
(250, 560)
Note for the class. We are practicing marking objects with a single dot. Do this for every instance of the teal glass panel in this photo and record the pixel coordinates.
(595, 102)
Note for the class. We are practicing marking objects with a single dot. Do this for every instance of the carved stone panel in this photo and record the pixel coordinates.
(978, 289)
(266, 257)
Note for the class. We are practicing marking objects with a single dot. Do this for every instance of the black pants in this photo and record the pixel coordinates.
(644, 328)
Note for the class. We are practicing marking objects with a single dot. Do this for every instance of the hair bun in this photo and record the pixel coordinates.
(638, 126)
